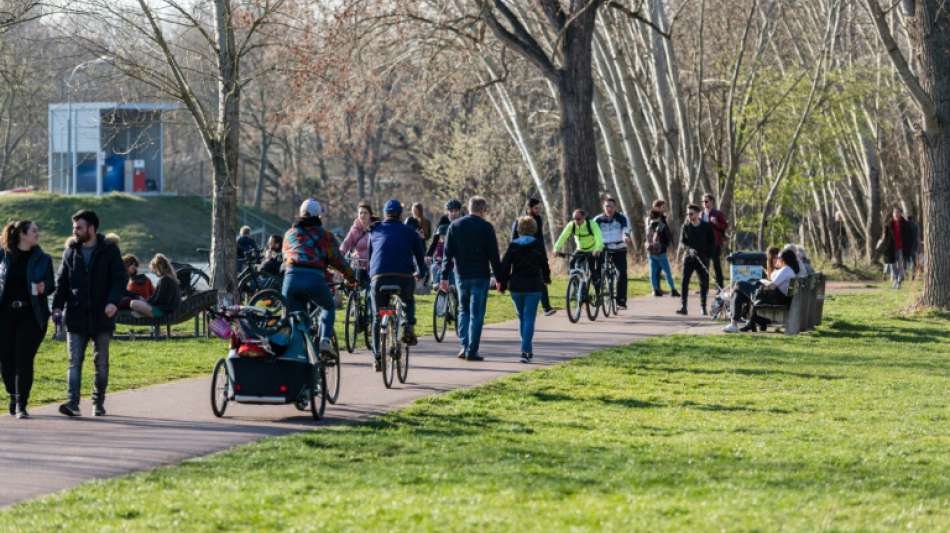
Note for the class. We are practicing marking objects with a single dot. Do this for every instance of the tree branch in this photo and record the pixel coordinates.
(521, 40)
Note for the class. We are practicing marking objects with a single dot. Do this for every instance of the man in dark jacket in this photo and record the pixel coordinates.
(717, 220)
(699, 241)
(90, 284)
(396, 256)
(533, 209)
(473, 246)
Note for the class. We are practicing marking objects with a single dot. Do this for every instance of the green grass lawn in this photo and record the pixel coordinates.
(143, 362)
(842, 429)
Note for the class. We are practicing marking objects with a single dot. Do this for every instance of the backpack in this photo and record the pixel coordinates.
(655, 247)
(574, 228)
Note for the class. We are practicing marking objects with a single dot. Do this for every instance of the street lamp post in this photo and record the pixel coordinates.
(70, 136)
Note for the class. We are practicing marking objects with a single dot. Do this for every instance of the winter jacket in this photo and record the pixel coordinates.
(422, 226)
(86, 291)
(39, 269)
(357, 240)
(887, 244)
(167, 296)
(587, 237)
(524, 267)
(308, 245)
(659, 238)
(719, 227)
(473, 246)
(393, 247)
(700, 238)
(613, 231)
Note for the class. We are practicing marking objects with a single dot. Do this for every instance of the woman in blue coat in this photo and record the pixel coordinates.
(26, 278)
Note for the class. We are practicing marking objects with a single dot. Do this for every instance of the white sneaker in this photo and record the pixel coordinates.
(550, 312)
(731, 328)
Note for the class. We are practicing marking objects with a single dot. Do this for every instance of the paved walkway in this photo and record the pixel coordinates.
(165, 424)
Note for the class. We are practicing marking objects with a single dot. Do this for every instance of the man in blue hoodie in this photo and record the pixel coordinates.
(396, 256)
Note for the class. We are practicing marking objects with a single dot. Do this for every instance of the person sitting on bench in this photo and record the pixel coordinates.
(166, 298)
(773, 291)
(740, 299)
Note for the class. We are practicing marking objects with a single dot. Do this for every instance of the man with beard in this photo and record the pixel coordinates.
(90, 284)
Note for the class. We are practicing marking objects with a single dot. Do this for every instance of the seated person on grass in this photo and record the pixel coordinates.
(166, 298)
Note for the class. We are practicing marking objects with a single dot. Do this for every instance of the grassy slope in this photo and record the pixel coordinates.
(174, 225)
(841, 429)
(141, 363)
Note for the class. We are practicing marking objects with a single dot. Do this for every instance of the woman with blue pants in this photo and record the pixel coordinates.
(525, 272)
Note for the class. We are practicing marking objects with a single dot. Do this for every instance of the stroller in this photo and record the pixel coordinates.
(743, 267)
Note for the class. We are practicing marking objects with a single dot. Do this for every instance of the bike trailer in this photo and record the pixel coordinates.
(269, 381)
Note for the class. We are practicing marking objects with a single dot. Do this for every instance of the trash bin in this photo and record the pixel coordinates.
(746, 266)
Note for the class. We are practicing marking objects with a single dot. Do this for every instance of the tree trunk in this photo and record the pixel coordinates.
(575, 98)
(224, 156)
(930, 33)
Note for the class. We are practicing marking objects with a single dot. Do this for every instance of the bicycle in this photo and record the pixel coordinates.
(578, 289)
(609, 281)
(444, 311)
(392, 353)
(357, 315)
(251, 279)
(190, 277)
(331, 362)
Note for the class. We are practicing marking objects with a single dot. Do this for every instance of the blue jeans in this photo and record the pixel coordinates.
(76, 346)
(305, 285)
(526, 305)
(658, 262)
(473, 296)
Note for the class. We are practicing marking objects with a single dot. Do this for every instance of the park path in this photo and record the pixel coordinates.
(166, 424)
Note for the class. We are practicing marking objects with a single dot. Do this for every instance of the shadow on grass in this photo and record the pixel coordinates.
(913, 335)
(741, 372)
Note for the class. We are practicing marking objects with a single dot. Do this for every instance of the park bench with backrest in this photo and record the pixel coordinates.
(805, 310)
(193, 307)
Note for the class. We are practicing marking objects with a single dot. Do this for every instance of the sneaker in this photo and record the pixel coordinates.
(99, 410)
(69, 410)
(675, 294)
(377, 364)
(409, 337)
(750, 327)
(681, 311)
(461, 354)
(530, 356)
(621, 307)
(22, 414)
(474, 357)
(524, 358)
(731, 328)
(658, 294)
(703, 311)
(12, 407)
(326, 346)
(550, 312)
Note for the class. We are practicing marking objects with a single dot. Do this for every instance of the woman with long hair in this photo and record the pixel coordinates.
(167, 296)
(26, 278)
(356, 243)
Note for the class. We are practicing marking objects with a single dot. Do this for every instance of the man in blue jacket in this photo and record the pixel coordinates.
(473, 248)
(396, 256)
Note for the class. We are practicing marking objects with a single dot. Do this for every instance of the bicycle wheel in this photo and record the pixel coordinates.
(274, 306)
(318, 392)
(402, 361)
(440, 319)
(220, 388)
(333, 372)
(604, 300)
(593, 303)
(573, 299)
(351, 322)
(612, 301)
(389, 345)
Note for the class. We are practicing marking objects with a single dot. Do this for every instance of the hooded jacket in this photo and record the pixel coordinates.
(39, 269)
(86, 291)
(524, 268)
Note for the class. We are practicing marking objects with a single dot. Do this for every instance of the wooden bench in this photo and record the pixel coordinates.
(192, 307)
(806, 308)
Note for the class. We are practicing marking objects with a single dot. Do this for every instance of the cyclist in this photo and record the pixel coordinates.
(615, 230)
(393, 247)
(453, 212)
(309, 250)
(587, 240)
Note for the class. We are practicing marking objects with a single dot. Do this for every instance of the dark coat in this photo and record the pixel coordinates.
(700, 238)
(167, 296)
(886, 245)
(472, 244)
(39, 269)
(538, 234)
(524, 268)
(85, 292)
